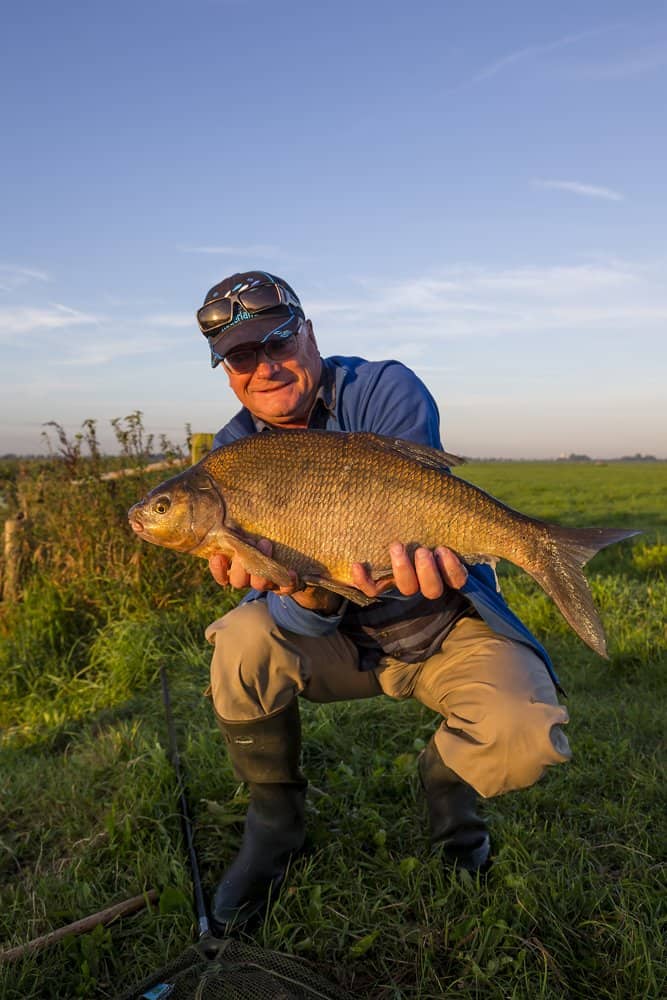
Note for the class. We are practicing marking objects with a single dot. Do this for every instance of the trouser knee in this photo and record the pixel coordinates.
(509, 748)
(253, 673)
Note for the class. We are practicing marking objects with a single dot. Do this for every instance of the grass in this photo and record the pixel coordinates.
(574, 905)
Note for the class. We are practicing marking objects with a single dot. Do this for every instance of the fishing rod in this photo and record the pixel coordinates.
(186, 822)
(224, 968)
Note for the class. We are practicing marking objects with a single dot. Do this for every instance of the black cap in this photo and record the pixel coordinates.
(244, 329)
(252, 331)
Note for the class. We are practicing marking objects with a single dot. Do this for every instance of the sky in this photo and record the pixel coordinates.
(476, 189)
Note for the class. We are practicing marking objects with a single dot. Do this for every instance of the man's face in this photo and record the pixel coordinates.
(282, 392)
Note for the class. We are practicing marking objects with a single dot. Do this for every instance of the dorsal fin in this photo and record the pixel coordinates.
(429, 457)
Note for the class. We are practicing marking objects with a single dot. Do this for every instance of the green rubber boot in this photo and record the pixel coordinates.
(453, 818)
(265, 753)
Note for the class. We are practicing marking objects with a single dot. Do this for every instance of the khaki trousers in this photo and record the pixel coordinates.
(501, 721)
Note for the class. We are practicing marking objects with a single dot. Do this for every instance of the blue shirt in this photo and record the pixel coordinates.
(383, 397)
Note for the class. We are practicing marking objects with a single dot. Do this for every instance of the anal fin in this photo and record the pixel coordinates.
(342, 589)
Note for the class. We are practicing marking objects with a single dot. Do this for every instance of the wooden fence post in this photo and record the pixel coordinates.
(200, 444)
(13, 557)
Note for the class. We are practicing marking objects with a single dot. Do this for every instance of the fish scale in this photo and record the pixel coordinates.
(333, 503)
(326, 500)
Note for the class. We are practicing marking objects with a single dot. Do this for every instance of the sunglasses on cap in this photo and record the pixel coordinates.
(250, 299)
(279, 346)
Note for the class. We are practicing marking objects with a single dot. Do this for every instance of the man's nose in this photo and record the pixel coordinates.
(263, 360)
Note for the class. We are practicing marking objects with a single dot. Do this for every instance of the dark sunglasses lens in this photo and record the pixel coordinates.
(242, 361)
(246, 359)
(280, 348)
(260, 298)
(214, 314)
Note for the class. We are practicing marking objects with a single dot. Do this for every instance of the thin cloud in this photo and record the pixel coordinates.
(27, 319)
(576, 187)
(530, 51)
(12, 276)
(473, 303)
(104, 351)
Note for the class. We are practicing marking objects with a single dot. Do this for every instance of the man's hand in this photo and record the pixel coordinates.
(429, 573)
(231, 572)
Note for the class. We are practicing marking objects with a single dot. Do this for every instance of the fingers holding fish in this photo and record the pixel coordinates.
(431, 572)
(428, 572)
(363, 581)
(453, 571)
(219, 567)
(424, 576)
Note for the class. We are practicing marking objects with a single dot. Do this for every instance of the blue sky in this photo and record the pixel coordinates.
(477, 189)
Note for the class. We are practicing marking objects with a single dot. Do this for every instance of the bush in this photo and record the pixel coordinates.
(98, 604)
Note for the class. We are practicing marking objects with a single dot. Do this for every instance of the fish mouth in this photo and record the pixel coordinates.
(136, 524)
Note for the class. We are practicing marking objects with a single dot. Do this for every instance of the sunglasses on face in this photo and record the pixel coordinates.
(254, 299)
(278, 347)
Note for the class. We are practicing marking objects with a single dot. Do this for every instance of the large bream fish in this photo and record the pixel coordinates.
(328, 499)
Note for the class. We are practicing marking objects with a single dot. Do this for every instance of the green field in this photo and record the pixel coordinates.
(574, 905)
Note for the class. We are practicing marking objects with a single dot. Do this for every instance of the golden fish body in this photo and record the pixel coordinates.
(327, 500)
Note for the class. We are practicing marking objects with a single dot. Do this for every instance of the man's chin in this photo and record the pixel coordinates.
(277, 402)
(280, 416)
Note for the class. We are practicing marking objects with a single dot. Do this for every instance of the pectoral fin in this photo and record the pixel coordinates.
(253, 561)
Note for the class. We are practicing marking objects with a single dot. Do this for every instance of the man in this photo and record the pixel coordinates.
(442, 634)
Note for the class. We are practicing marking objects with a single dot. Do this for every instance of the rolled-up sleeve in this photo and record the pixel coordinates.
(289, 615)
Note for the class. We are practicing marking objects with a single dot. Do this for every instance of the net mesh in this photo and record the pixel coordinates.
(231, 970)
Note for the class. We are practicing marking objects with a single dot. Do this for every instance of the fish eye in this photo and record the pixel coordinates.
(162, 505)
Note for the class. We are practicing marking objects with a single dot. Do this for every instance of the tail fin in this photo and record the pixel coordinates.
(566, 551)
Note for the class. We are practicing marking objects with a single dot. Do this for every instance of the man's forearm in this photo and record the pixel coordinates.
(318, 599)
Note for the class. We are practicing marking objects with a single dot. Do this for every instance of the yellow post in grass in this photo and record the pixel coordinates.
(200, 444)
(13, 557)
